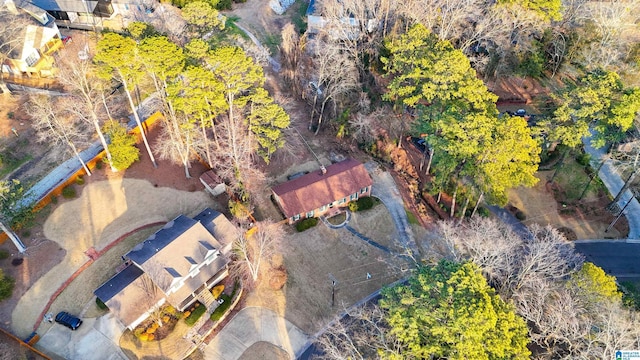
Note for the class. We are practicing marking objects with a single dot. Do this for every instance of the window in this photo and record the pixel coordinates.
(342, 201)
(363, 190)
(310, 214)
(296, 217)
(32, 59)
(353, 197)
(323, 208)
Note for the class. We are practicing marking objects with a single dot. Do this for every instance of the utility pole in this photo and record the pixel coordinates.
(633, 195)
(334, 282)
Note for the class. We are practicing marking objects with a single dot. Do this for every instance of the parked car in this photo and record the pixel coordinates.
(68, 320)
(420, 144)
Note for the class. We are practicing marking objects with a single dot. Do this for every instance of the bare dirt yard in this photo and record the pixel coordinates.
(586, 219)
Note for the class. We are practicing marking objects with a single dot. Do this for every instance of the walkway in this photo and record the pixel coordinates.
(367, 240)
(611, 179)
(385, 189)
(252, 325)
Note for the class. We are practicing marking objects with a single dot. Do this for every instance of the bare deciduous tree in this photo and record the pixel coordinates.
(292, 51)
(88, 93)
(153, 283)
(533, 271)
(334, 76)
(56, 125)
(358, 335)
(255, 246)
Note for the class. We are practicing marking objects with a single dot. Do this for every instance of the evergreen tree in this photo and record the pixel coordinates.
(449, 311)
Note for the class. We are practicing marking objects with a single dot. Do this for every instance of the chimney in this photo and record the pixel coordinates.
(323, 170)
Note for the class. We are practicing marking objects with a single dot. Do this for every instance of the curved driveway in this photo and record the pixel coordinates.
(252, 325)
(611, 179)
(385, 189)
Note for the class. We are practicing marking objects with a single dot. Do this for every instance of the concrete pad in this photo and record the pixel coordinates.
(55, 341)
(95, 339)
(95, 346)
(225, 347)
(110, 327)
(252, 325)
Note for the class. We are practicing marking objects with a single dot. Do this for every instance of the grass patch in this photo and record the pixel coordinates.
(572, 178)
(411, 217)
(9, 162)
(230, 28)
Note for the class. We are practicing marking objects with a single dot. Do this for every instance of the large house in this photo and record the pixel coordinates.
(317, 22)
(176, 265)
(319, 192)
(31, 52)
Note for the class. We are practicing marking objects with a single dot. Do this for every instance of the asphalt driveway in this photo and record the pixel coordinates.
(385, 189)
(96, 339)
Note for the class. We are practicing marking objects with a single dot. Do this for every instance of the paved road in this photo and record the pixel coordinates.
(611, 179)
(385, 189)
(616, 257)
(252, 325)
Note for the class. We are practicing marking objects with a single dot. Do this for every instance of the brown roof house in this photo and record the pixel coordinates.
(318, 192)
(176, 265)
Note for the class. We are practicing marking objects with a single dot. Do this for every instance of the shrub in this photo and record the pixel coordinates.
(69, 192)
(364, 203)
(99, 165)
(6, 286)
(144, 337)
(11, 115)
(222, 308)
(150, 337)
(306, 224)
(166, 318)
(520, 215)
(186, 314)
(54, 199)
(583, 159)
(195, 315)
(4, 254)
(483, 211)
(170, 310)
(80, 180)
(151, 329)
(217, 290)
(101, 305)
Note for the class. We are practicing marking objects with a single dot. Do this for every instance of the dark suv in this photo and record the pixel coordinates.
(68, 320)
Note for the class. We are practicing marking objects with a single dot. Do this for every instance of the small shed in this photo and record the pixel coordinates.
(212, 183)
